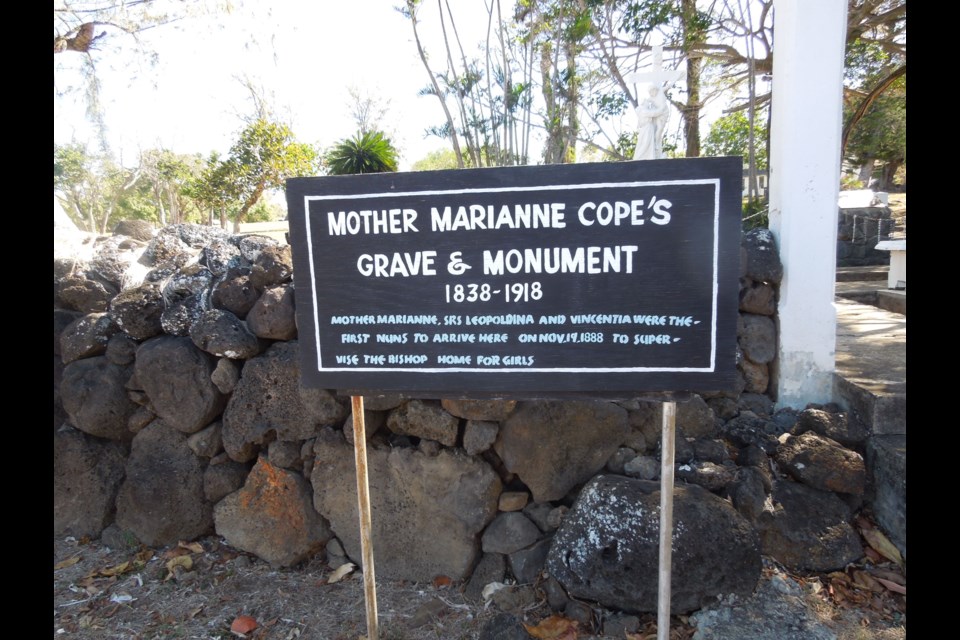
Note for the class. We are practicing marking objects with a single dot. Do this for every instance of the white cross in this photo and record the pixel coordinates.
(658, 76)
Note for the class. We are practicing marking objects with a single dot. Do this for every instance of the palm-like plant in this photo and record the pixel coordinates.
(368, 152)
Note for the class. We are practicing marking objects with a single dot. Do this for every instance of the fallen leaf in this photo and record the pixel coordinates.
(556, 627)
(892, 586)
(116, 569)
(184, 562)
(175, 552)
(442, 581)
(143, 556)
(243, 624)
(341, 572)
(193, 547)
(873, 555)
(892, 576)
(69, 562)
(882, 544)
(193, 614)
(866, 581)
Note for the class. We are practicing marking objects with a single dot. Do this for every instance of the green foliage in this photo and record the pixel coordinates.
(882, 132)
(439, 159)
(90, 186)
(369, 152)
(730, 135)
(756, 214)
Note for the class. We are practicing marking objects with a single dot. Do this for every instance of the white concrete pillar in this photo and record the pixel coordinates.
(805, 129)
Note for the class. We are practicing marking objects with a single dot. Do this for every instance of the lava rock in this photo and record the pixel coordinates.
(87, 473)
(273, 316)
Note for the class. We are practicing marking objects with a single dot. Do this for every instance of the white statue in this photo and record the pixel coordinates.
(652, 111)
(651, 122)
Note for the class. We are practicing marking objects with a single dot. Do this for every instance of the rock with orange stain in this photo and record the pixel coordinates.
(273, 517)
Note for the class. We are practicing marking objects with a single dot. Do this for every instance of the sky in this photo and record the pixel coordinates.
(303, 55)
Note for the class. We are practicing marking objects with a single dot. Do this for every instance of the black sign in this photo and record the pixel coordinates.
(521, 281)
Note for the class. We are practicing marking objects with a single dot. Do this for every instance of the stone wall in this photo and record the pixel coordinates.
(858, 232)
(178, 412)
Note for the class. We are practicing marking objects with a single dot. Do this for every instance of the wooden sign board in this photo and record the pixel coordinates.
(521, 281)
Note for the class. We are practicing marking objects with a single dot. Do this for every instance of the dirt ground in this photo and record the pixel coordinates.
(209, 590)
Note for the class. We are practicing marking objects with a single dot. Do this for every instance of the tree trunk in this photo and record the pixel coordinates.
(691, 112)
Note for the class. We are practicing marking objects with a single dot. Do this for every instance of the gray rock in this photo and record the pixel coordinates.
(842, 427)
(273, 316)
(121, 349)
(62, 318)
(538, 512)
(235, 293)
(87, 473)
(269, 401)
(225, 375)
(710, 476)
(683, 451)
(556, 596)
(252, 245)
(79, 293)
(207, 442)
(636, 441)
(59, 414)
(757, 337)
(286, 454)
(136, 229)
(607, 549)
(710, 451)
(695, 419)
(178, 316)
(479, 435)
(618, 625)
(383, 402)
(94, 395)
(808, 529)
(582, 613)
(758, 404)
(138, 310)
(166, 248)
(272, 265)
(555, 445)
(759, 298)
(223, 334)
(336, 556)
(556, 516)
(430, 510)
(756, 377)
(424, 419)
(823, 464)
(759, 258)
(220, 256)
(724, 408)
(643, 467)
(648, 419)
(620, 458)
(748, 493)
(373, 421)
(176, 376)
(139, 419)
(526, 564)
(196, 236)
(491, 568)
(488, 410)
(504, 626)
(161, 500)
(509, 532)
(515, 598)
(771, 612)
(220, 480)
(119, 539)
(272, 516)
(513, 500)
(86, 336)
(752, 456)
(745, 430)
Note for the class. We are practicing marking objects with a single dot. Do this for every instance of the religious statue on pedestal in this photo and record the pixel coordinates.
(652, 110)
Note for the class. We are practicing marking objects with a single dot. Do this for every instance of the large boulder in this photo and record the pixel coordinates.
(607, 548)
(87, 473)
(757, 337)
(94, 395)
(175, 375)
(273, 316)
(235, 293)
(555, 445)
(161, 500)
(269, 402)
(759, 258)
(424, 419)
(137, 311)
(429, 510)
(808, 529)
(221, 333)
(86, 336)
(844, 427)
(273, 517)
(695, 419)
(488, 410)
(823, 464)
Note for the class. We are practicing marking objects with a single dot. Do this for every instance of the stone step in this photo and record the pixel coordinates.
(887, 469)
(860, 274)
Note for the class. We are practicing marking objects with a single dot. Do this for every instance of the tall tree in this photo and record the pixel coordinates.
(89, 186)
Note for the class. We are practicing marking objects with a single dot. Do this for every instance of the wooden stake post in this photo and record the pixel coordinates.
(666, 519)
(366, 521)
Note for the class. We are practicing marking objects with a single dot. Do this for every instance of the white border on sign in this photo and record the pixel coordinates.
(603, 185)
